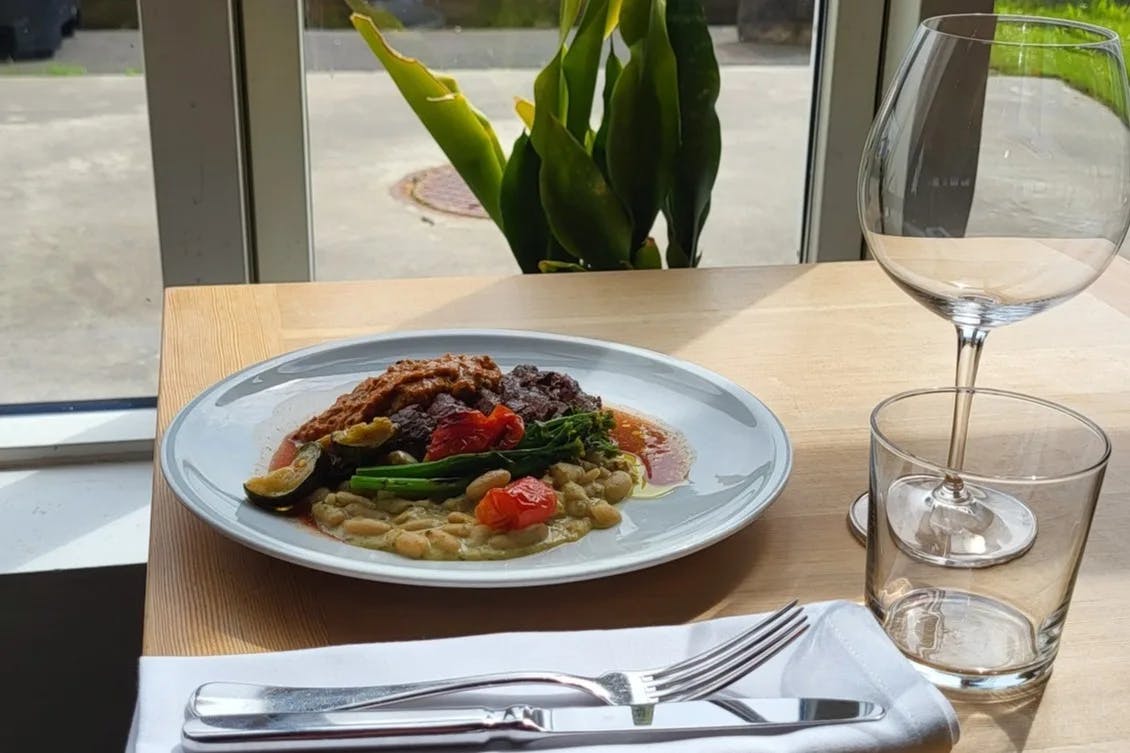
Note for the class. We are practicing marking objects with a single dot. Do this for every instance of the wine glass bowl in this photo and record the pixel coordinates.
(995, 184)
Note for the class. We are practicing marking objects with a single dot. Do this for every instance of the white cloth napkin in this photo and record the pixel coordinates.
(844, 654)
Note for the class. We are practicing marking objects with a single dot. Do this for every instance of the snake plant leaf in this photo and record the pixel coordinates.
(634, 20)
(612, 68)
(567, 17)
(453, 86)
(548, 265)
(523, 220)
(381, 17)
(581, 65)
(550, 98)
(461, 132)
(525, 110)
(700, 134)
(612, 20)
(583, 212)
(647, 256)
(643, 132)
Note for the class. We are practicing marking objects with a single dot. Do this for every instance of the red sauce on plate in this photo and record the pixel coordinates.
(288, 448)
(664, 452)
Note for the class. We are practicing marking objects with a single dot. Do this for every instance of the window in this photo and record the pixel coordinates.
(80, 274)
(386, 204)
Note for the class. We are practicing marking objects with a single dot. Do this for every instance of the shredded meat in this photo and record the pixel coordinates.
(406, 383)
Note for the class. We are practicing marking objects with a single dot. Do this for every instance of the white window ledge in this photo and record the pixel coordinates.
(75, 516)
(35, 439)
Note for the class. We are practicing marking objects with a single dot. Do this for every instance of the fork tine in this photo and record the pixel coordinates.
(733, 665)
(697, 661)
(741, 669)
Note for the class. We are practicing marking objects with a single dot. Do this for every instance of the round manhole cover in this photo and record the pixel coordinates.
(442, 189)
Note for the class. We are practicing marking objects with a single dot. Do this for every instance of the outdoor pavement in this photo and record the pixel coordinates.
(80, 284)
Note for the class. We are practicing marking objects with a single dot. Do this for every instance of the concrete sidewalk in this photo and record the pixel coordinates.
(80, 284)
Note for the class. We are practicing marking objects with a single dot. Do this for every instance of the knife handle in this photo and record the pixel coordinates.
(350, 730)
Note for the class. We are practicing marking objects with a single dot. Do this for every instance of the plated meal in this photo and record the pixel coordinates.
(449, 458)
(563, 388)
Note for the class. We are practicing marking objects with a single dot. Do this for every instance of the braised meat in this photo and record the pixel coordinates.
(416, 423)
(537, 395)
(406, 383)
(414, 429)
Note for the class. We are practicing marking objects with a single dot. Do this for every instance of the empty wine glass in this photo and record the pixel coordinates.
(995, 184)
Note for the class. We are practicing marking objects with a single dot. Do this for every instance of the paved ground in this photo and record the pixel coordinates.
(104, 52)
(79, 271)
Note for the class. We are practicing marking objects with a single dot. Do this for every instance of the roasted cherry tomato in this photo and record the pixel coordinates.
(471, 431)
(518, 504)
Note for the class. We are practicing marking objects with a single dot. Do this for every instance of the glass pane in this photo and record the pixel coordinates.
(386, 203)
(80, 277)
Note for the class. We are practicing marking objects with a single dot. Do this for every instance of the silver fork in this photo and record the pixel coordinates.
(696, 677)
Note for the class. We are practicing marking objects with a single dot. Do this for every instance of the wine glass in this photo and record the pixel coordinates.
(995, 184)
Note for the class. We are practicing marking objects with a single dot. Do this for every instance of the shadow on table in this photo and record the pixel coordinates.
(703, 303)
(1001, 726)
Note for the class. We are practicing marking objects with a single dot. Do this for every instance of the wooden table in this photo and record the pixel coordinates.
(819, 344)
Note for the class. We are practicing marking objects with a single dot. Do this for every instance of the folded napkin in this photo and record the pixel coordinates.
(844, 654)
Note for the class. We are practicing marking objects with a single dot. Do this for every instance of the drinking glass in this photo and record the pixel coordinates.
(987, 631)
(995, 184)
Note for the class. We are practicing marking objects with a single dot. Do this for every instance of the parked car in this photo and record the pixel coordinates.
(35, 28)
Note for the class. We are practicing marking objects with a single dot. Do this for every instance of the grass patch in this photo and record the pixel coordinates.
(59, 69)
(1076, 67)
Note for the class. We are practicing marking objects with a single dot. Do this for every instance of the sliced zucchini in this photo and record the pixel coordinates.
(360, 444)
(283, 488)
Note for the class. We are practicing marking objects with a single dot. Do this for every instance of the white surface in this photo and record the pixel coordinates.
(77, 427)
(742, 455)
(845, 654)
(88, 515)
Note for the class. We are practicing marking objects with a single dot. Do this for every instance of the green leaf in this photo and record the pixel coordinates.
(461, 132)
(453, 87)
(700, 144)
(568, 17)
(525, 110)
(560, 266)
(643, 132)
(549, 99)
(612, 68)
(523, 220)
(583, 213)
(612, 20)
(634, 15)
(647, 256)
(380, 17)
(580, 66)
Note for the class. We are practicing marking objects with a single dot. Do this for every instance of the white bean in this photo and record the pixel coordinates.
(478, 488)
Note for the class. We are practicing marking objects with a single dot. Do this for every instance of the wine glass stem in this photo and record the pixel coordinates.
(969, 342)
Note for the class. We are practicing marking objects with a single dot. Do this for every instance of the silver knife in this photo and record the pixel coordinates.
(524, 725)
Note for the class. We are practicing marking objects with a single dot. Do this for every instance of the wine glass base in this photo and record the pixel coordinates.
(987, 529)
(857, 517)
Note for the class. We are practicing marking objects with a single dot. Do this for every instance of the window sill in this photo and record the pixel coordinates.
(50, 438)
(75, 516)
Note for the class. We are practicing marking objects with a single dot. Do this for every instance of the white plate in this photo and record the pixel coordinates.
(227, 434)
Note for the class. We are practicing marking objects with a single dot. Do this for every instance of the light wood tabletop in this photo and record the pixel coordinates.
(821, 345)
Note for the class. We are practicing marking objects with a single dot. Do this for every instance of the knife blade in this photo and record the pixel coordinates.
(521, 724)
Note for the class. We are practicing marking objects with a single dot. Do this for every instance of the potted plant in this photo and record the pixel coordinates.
(571, 196)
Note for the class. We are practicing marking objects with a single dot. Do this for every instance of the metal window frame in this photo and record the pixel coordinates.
(225, 81)
(861, 45)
